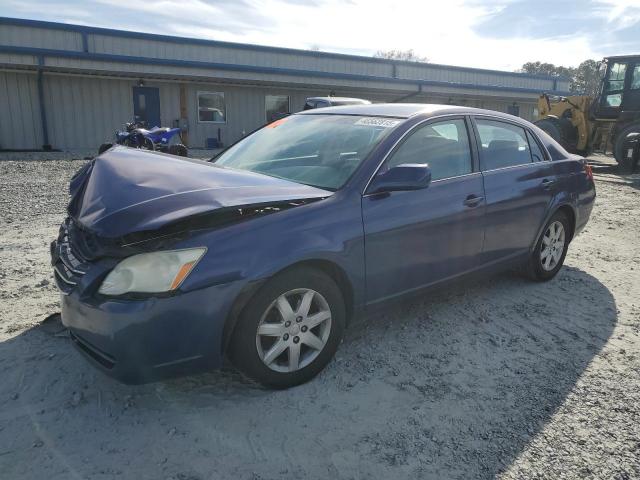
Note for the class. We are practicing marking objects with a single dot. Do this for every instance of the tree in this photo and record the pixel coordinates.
(585, 79)
(547, 69)
(407, 55)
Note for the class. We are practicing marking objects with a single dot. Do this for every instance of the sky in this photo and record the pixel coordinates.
(495, 34)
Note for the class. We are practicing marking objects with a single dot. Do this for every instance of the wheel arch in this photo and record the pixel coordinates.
(565, 208)
(571, 215)
(331, 269)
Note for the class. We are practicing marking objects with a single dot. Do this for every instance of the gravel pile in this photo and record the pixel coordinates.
(496, 377)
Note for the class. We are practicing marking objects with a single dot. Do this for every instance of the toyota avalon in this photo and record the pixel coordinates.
(263, 255)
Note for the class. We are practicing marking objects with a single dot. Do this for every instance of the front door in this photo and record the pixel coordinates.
(613, 93)
(146, 105)
(519, 184)
(416, 238)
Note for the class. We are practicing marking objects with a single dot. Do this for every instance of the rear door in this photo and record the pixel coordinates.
(416, 238)
(519, 186)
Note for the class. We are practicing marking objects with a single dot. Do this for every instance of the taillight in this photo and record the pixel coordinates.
(588, 171)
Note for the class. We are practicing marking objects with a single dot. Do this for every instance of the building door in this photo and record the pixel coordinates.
(146, 105)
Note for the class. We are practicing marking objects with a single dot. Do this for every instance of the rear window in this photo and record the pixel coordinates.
(503, 144)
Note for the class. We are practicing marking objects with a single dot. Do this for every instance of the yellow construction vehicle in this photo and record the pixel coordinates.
(582, 124)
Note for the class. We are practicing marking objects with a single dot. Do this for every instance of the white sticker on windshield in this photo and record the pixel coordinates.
(377, 122)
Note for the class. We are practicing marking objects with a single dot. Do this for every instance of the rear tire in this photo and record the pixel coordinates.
(626, 165)
(263, 330)
(551, 249)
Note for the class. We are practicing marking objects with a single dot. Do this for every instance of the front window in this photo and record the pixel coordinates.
(444, 146)
(211, 107)
(614, 85)
(318, 150)
(615, 80)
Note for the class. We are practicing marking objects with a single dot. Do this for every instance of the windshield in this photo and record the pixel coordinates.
(318, 150)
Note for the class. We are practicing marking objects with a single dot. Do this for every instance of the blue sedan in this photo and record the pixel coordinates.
(266, 252)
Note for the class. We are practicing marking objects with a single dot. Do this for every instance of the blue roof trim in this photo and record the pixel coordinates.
(43, 52)
(247, 46)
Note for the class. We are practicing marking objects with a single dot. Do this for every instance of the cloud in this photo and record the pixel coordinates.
(500, 34)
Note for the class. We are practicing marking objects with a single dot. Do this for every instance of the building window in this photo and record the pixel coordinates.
(276, 106)
(211, 107)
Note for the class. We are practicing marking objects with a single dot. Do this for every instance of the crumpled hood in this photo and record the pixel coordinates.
(127, 190)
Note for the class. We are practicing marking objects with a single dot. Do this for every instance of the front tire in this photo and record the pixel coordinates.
(548, 256)
(561, 130)
(178, 149)
(290, 330)
(139, 141)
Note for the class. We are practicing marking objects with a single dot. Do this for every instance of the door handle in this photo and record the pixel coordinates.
(473, 200)
(547, 183)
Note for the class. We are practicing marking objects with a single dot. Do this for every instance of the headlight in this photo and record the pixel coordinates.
(151, 272)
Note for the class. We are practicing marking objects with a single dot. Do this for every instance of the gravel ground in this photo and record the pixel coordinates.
(83, 155)
(494, 378)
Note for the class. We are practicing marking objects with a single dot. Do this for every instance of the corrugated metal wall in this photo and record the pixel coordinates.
(40, 37)
(19, 111)
(84, 112)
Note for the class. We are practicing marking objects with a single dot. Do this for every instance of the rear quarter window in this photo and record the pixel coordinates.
(537, 153)
(556, 151)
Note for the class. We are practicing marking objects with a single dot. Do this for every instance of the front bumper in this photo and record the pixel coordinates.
(139, 341)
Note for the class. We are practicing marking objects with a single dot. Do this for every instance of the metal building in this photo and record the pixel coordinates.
(70, 86)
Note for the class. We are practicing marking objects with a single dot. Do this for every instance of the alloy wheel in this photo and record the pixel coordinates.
(293, 330)
(552, 246)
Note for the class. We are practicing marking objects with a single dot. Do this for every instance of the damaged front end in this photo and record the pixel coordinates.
(126, 259)
(76, 248)
(128, 202)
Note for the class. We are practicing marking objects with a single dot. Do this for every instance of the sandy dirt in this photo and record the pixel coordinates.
(498, 377)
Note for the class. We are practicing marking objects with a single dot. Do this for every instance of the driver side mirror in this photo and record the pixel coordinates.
(408, 176)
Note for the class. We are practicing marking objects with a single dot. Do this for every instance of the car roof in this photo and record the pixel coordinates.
(404, 110)
(339, 99)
